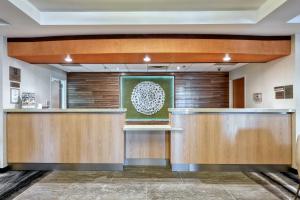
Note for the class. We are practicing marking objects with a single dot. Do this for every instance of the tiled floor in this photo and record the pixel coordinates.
(148, 183)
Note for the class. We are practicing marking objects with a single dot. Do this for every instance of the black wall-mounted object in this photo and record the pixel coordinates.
(284, 92)
(14, 74)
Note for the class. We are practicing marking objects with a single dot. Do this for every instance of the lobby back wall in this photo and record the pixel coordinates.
(192, 90)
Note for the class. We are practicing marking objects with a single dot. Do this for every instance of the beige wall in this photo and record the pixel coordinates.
(262, 78)
(297, 79)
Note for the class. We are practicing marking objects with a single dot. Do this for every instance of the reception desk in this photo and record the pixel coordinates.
(100, 139)
(72, 139)
(230, 137)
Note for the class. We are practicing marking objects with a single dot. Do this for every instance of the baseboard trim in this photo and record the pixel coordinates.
(3, 170)
(73, 167)
(230, 168)
(146, 162)
(294, 171)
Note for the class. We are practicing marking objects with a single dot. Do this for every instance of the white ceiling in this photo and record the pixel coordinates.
(241, 22)
(146, 12)
(174, 67)
(146, 5)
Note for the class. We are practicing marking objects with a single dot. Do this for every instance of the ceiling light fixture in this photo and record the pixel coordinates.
(178, 68)
(68, 59)
(147, 58)
(227, 58)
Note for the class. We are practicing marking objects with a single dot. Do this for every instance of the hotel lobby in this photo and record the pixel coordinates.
(152, 100)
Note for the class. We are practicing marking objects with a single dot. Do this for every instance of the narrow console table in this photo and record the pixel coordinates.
(148, 144)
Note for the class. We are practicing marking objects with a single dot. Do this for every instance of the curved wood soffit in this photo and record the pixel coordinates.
(161, 48)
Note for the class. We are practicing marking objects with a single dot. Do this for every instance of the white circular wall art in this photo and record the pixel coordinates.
(148, 97)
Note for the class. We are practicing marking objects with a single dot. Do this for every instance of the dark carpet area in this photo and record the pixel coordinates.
(14, 182)
(283, 185)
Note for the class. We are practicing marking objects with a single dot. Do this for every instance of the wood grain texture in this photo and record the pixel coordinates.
(202, 90)
(65, 138)
(137, 58)
(101, 90)
(93, 90)
(162, 49)
(214, 138)
(147, 145)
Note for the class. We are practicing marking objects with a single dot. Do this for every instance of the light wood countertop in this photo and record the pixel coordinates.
(117, 110)
(229, 110)
(150, 128)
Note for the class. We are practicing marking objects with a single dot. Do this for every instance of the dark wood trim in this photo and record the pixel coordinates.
(149, 36)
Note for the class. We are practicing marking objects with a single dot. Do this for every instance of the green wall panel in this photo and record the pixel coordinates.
(128, 84)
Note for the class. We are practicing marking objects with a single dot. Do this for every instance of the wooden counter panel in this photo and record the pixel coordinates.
(232, 138)
(65, 138)
(147, 145)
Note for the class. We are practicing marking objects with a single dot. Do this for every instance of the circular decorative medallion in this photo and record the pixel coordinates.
(148, 97)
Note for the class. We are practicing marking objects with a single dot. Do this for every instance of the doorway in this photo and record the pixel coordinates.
(238, 93)
(58, 93)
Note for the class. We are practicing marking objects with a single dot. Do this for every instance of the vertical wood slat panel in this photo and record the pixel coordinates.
(101, 90)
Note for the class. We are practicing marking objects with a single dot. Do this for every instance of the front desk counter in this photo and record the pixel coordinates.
(83, 139)
(230, 138)
(194, 139)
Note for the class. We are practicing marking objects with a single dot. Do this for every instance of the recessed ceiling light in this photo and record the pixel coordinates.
(147, 58)
(68, 59)
(178, 67)
(227, 58)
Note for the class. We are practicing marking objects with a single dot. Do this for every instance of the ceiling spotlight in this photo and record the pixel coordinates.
(178, 68)
(147, 58)
(68, 59)
(227, 58)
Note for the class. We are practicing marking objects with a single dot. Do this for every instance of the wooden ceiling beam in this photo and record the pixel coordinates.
(161, 49)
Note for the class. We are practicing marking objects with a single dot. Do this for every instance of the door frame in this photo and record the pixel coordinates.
(63, 95)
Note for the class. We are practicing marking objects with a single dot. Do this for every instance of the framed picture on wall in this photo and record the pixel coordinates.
(14, 74)
(14, 95)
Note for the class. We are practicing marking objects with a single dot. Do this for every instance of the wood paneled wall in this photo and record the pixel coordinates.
(93, 90)
(101, 90)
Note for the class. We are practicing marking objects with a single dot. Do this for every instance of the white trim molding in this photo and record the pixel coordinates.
(148, 17)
